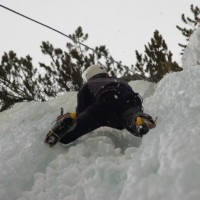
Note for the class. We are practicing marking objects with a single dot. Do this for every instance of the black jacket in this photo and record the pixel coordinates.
(104, 101)
(100, 86)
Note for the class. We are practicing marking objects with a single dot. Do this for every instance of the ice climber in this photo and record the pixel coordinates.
(102, 101)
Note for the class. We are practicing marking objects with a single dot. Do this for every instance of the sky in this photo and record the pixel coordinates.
(122, 25)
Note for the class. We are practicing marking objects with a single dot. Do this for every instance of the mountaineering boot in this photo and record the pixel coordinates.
(63, 124)
(143, 123)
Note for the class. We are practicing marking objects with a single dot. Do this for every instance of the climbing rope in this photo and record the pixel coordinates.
(74, 40)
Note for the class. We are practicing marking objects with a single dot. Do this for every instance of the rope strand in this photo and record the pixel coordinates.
(61, 33)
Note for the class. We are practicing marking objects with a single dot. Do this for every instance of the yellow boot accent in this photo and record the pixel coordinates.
(73, 115)
(139, 121)
(142, 120)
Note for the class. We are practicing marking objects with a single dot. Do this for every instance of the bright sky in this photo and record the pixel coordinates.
(122, 25)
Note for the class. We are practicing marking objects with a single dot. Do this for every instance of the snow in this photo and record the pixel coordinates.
(191, 55)
(107, 163)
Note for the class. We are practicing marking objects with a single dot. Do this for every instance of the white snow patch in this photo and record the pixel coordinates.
(191, 56)
(144, 88)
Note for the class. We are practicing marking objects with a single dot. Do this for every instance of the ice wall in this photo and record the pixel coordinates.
(107, 163)
(191, 55)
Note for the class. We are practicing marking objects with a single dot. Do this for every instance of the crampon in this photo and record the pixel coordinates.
(62, 125)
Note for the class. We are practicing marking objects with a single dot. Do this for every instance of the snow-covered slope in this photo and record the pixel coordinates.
(191, 55)
(107, 164)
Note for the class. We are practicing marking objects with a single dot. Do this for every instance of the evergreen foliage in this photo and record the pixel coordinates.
(156, 61)
(192, 24)
(21, 81)
(66, 67)
(18, 80)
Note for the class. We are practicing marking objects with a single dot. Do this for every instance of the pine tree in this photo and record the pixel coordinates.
(192, 24)
(156, 61)
(66, 67)
(20, 80)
